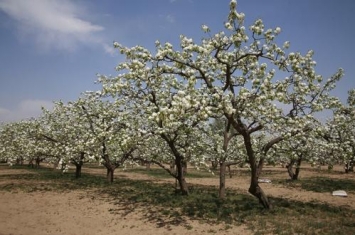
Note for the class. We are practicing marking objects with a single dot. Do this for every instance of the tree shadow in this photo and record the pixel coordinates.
(320, 184)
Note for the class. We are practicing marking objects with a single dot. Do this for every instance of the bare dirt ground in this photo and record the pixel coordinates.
(43, 213)
(25, 213)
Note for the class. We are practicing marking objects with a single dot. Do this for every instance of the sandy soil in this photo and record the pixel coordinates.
(81, 212)
(75, 213)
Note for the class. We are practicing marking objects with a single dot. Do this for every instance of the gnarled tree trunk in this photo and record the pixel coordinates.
(256, 169)
(179, 164)
(257, 191)
(294, 175)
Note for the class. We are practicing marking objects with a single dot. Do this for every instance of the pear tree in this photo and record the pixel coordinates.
(339, 132)
(241, 73)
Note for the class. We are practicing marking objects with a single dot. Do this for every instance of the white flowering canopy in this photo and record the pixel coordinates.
(240, 73)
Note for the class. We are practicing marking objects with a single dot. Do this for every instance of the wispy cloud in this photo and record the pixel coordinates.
(170, 18)
(58, 24)
(109, 49)
(167, 18)
(24, 110)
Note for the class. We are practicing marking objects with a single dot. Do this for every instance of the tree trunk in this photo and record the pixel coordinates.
(214, 164)
(256, 191)
(222, 180)
(179, 165)
(56, 164)
(181, 177)
(110, 174)
(184, 167)
(147, 165)
(183, 187)
(229, 171)
(254, 188)
(19, 161)
(172, 165)
(78, 165)
(30, 163)
(38, 161)
(349, 166)
(78, 170)
(289, 168)
(298, 168)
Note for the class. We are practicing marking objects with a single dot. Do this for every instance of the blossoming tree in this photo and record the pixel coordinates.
(232, 73)
(64, 128)
(112, 132)
(171, 109)
(19, 143)
(339, 132)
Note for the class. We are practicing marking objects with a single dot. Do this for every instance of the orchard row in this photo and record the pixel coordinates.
(236, 97)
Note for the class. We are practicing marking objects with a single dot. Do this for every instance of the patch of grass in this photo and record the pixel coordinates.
(155, 172)
(294, 217)
(193, 173)
(320, 184)
(48, 179)
(93, 166)
(323, 184)
(202, 203)
(162, 174)
(288, 216)
(269, 172)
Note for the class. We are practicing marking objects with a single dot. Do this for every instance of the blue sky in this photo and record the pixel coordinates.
(52, 49)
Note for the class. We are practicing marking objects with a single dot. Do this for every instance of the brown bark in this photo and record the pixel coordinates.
(289, 168)
(298, 168)
(254, 188)
(172, 165)
(110, 169)
(78, 171)
(78, 165)
(179, 164)
(257, 191)
(222, 180)
(230, 171)
(222, 171)
(184, 167)
(294, 175)
(110, 174)
(38, 160)
(181, 177)
(214, 164)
